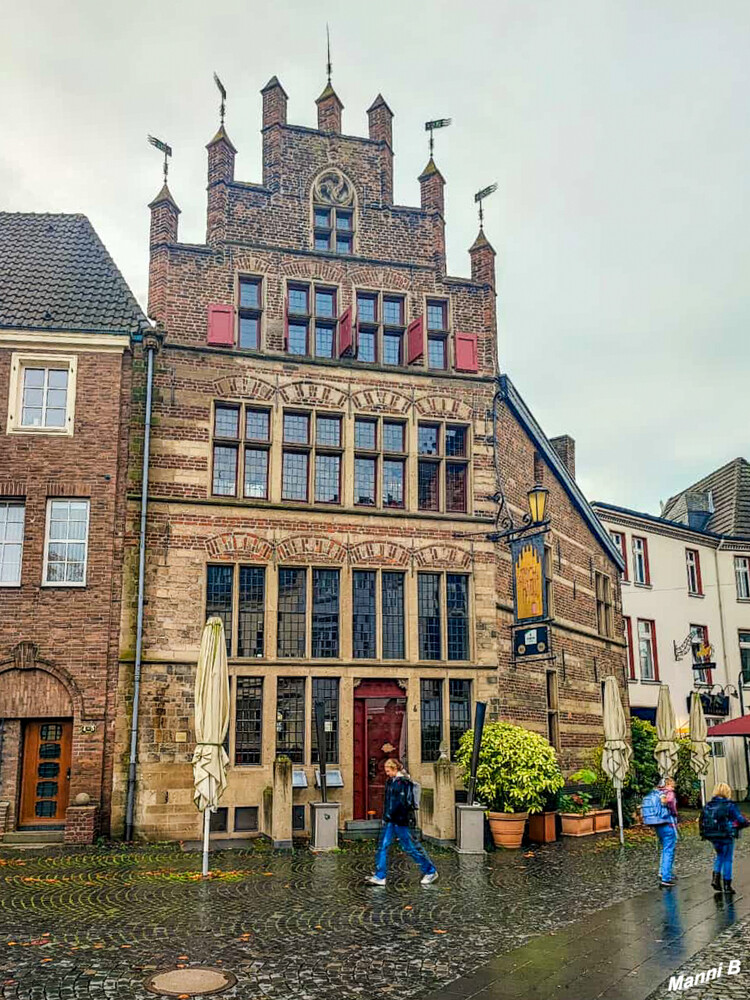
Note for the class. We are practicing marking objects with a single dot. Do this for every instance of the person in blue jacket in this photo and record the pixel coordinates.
(397, 806)
(720, 823)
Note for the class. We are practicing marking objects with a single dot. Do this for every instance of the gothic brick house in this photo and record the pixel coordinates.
(66, 323)
(328, 427)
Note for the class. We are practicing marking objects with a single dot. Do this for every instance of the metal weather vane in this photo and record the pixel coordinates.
(431, 126)
(328, 63)
(222, 91)
(167, 150)
(480, 196)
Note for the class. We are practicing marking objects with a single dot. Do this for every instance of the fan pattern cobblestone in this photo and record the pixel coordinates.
(96, 923)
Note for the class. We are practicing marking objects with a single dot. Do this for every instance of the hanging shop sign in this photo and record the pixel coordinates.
(713, 704)
(531, 641)
(529, 592)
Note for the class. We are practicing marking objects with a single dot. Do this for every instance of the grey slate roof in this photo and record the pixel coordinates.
(730, 492)
(56, 274)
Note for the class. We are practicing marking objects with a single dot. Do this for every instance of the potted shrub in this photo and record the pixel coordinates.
(543, 825)
(517, 770)
(579, 815)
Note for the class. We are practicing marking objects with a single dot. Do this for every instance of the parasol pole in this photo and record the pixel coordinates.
(206, 831)
(703, 789)
(618, 789)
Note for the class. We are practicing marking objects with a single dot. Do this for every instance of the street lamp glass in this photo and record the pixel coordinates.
(537, 503)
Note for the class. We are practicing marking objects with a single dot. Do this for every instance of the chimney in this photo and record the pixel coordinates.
(565, 447)
(164, 216)
(482, 257)
(274, 116)
(221, 154)
(329, 110)
(380, 118)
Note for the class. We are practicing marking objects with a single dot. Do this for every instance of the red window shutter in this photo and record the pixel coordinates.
(467, 356)
(645, 560)
(286, 321)
(415, 340)
(346, 333)
(698, 577)
(220, 326)
(629, 632)
(655, 650)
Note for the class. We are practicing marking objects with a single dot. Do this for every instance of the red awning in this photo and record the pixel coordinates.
(732, 727)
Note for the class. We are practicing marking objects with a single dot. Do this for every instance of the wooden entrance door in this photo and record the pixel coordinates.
(379, 733)
(45, 781)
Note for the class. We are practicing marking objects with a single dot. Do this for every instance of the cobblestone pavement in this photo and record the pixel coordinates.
(95, 923)
(733, 945)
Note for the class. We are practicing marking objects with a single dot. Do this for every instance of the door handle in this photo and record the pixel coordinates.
(372, 770)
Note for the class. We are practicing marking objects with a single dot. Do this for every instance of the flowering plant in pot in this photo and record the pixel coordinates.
(517, 770)
(578, 815)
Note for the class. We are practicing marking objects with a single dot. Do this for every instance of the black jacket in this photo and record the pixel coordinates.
(398, 801)
(721, 820)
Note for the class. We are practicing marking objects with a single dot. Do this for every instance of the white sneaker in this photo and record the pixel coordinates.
(374, 880)
(429, 879)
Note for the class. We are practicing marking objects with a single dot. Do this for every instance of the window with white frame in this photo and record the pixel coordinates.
(641, 573)
(647, 650)
(745, 656)
(66, 544)
(41, 394)
(618, 537)
(693, 567)
(701, 651)
(742, 577)
(12, 515)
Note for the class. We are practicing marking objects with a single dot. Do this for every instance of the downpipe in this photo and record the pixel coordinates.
(150, 346)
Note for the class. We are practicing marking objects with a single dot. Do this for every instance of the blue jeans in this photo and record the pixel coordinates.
(668, 838)
(724, 858)
(391, 832)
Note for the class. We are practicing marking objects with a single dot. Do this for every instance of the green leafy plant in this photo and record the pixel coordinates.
(576, 802)
(518, 769)
(687, 785)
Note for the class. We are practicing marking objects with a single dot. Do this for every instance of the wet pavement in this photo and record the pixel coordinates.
(97, 923)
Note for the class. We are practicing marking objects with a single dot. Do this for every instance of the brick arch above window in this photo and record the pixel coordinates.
(379, 553)
(231, 545)
(243, 386)
(308, 393)
(444, 408)
(310, 550)
(442, 556)
(377, 400)
(26, 663)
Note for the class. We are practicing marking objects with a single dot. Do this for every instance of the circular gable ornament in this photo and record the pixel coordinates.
(332, 188)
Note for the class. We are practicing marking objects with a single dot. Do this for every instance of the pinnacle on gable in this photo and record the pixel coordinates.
(481, 243)
(164, 197)
(221, 136)
(328, 93)
(272, 83)
(379, 102)
(429, 170)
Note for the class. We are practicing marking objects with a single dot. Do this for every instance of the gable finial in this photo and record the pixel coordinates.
(167, 150)
(480, 196)
(431, 126)
(222, 91)
(328, 43)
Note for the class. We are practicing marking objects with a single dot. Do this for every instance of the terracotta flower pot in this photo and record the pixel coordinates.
(542, 827)
(603, 821)
(507, 828)
(577, 824)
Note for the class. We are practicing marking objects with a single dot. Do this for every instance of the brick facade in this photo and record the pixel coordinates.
(267, 232)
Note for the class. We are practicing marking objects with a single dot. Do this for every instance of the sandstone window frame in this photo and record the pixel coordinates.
(328, 690)
(552, 694)
(248, 310)
(8, 543)
(458, 722)
(311, 319)
(240, 445)
(333, 213)
(313, 448)
(22, 361)
(292, 690)
(382, 325)
(233, 611)
(65, 541)
(255, 685)
(389, 630)
(385, 458)
(306, 650)
(444, 465)
(438, 332)
(604, 605)
(446, 634)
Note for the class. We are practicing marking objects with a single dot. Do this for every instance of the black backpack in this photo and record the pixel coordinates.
(715, 821)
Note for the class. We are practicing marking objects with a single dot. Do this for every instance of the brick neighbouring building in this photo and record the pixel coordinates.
(322, 437)
(66, 322)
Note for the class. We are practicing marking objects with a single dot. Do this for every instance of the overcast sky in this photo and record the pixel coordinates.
(617, 130)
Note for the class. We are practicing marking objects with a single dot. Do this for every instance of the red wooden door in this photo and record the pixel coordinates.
(385, 725)
(46, 773)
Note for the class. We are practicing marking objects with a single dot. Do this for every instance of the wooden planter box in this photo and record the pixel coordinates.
(577, 824)
(542, 827)
(603, 821)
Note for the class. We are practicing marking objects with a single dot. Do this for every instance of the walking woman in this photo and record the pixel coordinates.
(397, 805)
(721, 822)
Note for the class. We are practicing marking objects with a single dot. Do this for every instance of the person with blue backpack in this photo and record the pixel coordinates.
(659, 810)
(398, 808)
(720, 822)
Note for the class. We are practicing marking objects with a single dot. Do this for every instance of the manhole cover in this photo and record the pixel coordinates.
(194, 981)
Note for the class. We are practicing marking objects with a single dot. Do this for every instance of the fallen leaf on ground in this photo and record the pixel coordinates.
(439, 931)
(407, 907)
